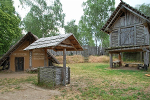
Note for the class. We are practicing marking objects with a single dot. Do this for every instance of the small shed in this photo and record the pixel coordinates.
(129, 31)
(16, 59)
(63, 42)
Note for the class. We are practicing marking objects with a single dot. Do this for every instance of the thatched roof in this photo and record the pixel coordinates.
(14, 47)
(114, 16)
(57, 43)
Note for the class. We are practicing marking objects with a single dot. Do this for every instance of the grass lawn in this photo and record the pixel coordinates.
(96, 81)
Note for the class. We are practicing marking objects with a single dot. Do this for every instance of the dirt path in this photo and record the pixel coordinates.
(15, 75)
(27, 91)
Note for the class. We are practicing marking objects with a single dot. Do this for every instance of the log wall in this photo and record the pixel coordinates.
(53, 75)
(129, 30)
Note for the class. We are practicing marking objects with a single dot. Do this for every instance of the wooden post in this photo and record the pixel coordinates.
(111, 60)
(45, 61)
(110, 44)
(64, 67)
(119, 57)
(30, 59)
(141, 56)
(146, 60)
(68, 75)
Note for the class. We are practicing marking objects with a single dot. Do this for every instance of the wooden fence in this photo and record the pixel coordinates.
(87, 52)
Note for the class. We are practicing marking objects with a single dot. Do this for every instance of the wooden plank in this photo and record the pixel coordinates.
(64, 66)
(112, 19)
(119, 37)
(135, 13)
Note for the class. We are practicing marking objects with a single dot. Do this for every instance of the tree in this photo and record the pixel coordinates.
(144, 8)
(96, 12)
(71, 27)
(84, 32)
(9, 25)
(42, 19)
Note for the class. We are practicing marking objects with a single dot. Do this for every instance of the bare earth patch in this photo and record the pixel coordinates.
(25, 91)
(15, 75)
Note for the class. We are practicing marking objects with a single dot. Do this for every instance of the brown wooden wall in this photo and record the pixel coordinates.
(129, 30)
(37, 57)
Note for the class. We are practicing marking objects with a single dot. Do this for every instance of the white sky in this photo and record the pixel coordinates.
(73, 8)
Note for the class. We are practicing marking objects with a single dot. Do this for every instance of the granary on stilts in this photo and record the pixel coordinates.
(16, 59)
(129, 31)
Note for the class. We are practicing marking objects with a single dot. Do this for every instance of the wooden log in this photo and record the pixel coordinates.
(111, 60)
(64, 67)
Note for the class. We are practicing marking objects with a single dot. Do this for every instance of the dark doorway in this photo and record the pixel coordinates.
(50, 62)
(19, 63)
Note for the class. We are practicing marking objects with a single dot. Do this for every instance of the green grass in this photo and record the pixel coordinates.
(95, 81)
(9, 84)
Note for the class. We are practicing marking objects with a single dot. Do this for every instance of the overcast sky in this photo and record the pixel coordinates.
(73, 8)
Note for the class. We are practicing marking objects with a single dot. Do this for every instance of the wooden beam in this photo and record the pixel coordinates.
(64, 67)
(112, 19)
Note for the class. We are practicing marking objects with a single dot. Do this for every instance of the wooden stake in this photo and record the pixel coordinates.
(64, 67)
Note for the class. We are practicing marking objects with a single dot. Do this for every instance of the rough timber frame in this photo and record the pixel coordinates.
(129, 31)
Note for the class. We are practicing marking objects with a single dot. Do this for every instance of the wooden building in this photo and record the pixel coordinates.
(16, 59)
(62, 42)
(129, 31)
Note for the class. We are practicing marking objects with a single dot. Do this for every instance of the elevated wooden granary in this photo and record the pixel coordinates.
(129, 32)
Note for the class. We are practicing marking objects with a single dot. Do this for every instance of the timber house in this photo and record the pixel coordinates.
(129, 31)
(16, 59)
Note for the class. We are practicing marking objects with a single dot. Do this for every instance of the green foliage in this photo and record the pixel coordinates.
(96, 12)
(43, 19)
(71, 27)
(9, 25)
(144, 8)
(85, 35)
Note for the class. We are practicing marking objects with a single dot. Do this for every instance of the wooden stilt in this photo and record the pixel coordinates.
(111, 60)
(119, 57)
(141, 56)
(146, 60)
(64, 67)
